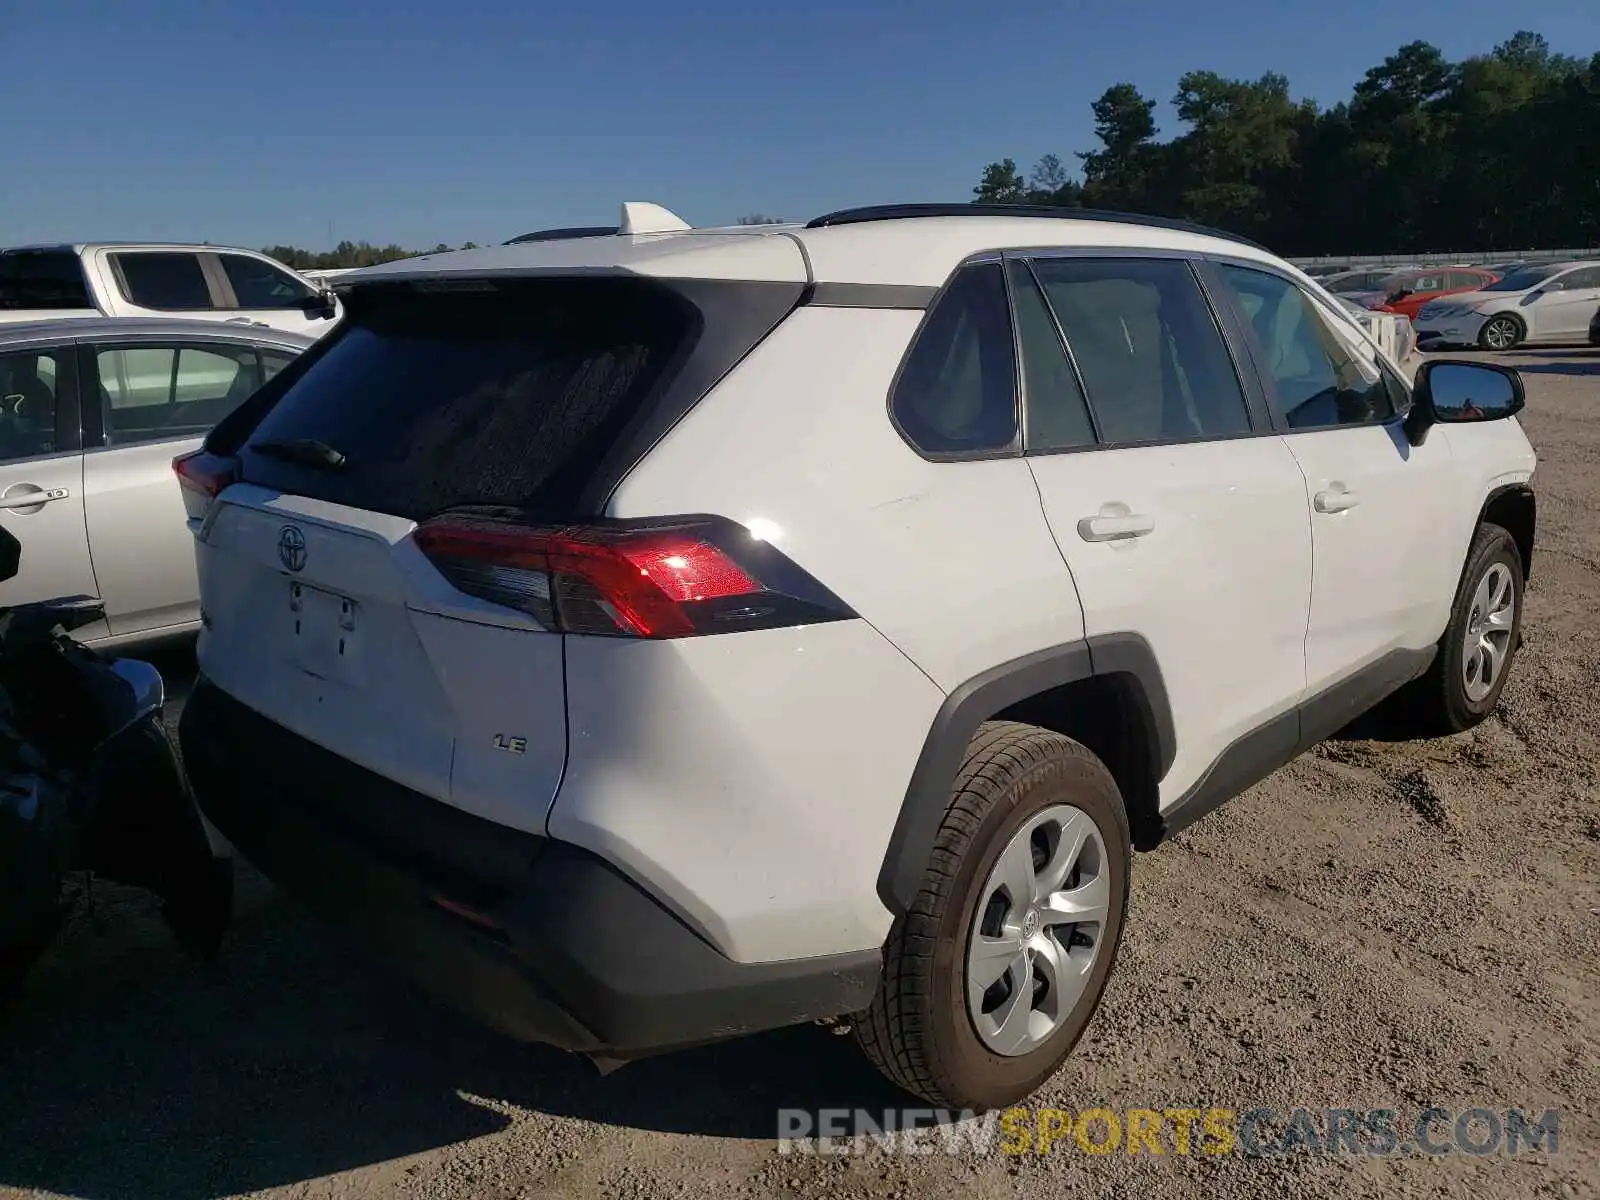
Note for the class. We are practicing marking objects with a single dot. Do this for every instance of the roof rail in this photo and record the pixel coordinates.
(898, 212)
(571, 231)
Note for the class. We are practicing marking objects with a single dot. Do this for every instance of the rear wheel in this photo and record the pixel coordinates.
(1503, 332)
(991, 977)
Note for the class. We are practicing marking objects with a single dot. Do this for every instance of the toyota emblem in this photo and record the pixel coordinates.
(292, 547)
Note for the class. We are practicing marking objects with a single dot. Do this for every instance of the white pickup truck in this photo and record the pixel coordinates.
(220, 283)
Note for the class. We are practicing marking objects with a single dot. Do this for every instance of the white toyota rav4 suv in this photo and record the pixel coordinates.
(668, 634)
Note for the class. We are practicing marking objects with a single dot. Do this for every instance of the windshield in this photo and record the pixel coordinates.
(1521, 281)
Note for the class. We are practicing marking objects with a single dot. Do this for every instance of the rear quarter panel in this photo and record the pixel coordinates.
(953, 562)
(753, 779)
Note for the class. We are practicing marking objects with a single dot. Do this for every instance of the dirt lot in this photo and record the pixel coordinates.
(1379, 925)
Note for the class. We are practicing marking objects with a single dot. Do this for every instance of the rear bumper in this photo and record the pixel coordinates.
(539, 939)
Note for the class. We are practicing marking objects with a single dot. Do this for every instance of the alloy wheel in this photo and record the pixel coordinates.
(1500, 334)
(1487, 643)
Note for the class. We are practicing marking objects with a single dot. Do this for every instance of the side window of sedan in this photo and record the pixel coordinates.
(27, 404)
(167, 393)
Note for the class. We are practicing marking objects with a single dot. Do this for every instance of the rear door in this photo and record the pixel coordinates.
(1180, 514)
(321, 612)
(41, 478)
(254, 288)
(155, 398)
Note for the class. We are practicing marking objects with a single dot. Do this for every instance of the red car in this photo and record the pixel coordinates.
(1405, 292)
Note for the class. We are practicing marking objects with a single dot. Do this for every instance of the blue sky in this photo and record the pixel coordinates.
(308, 121)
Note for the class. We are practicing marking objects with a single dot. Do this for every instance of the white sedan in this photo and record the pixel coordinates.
(92, 413)
(1545, 303)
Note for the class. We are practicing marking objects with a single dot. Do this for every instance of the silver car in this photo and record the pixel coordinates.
(92, 413)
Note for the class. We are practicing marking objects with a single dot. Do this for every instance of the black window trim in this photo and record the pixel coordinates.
(114, 261)
(1395, 382)
(1013, 449)
(1257, 414)
(1028, 449)
(92, 420)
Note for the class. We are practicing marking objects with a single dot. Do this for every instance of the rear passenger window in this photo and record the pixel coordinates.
(165, 393)
(1057, 414)
(957, 393)
(1151, 356)
(1320, 378)
(171, 282)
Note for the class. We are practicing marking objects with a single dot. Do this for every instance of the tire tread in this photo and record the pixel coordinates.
(891, 1033)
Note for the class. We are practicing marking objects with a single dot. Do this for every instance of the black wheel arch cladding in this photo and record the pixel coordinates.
(1125, 656)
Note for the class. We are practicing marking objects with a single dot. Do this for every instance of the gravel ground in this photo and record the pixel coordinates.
(1379, 925)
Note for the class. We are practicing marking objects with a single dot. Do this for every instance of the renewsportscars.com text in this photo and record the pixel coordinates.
(1254, 1132)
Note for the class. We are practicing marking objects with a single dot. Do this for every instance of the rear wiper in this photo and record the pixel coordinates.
(306, 452)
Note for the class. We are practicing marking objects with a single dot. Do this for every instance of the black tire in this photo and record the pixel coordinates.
(1509, 322)
(1437, 703)
(918, 1031)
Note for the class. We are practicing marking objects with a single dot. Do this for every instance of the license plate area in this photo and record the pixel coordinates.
(325, 634)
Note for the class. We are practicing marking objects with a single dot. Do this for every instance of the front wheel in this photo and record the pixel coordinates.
(991, 977)
(1474, 657)
(1500, 333)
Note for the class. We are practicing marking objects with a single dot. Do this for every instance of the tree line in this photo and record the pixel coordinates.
(349, 254)
(1501, 151)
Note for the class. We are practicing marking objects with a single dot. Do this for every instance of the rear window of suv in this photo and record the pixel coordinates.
(42, 279)
(506, 398)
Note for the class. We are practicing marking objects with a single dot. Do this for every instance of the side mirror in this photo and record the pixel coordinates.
(10, 554)
(322, 304)
(1451, 393)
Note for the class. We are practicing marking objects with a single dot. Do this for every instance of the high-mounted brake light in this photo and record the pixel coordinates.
(697, 576)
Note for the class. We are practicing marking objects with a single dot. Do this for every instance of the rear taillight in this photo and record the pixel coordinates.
(202, 476)
(697, 575)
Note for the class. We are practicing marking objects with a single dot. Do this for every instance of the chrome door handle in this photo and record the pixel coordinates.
(33, 497)
(1332, 501)
(1107, 527)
